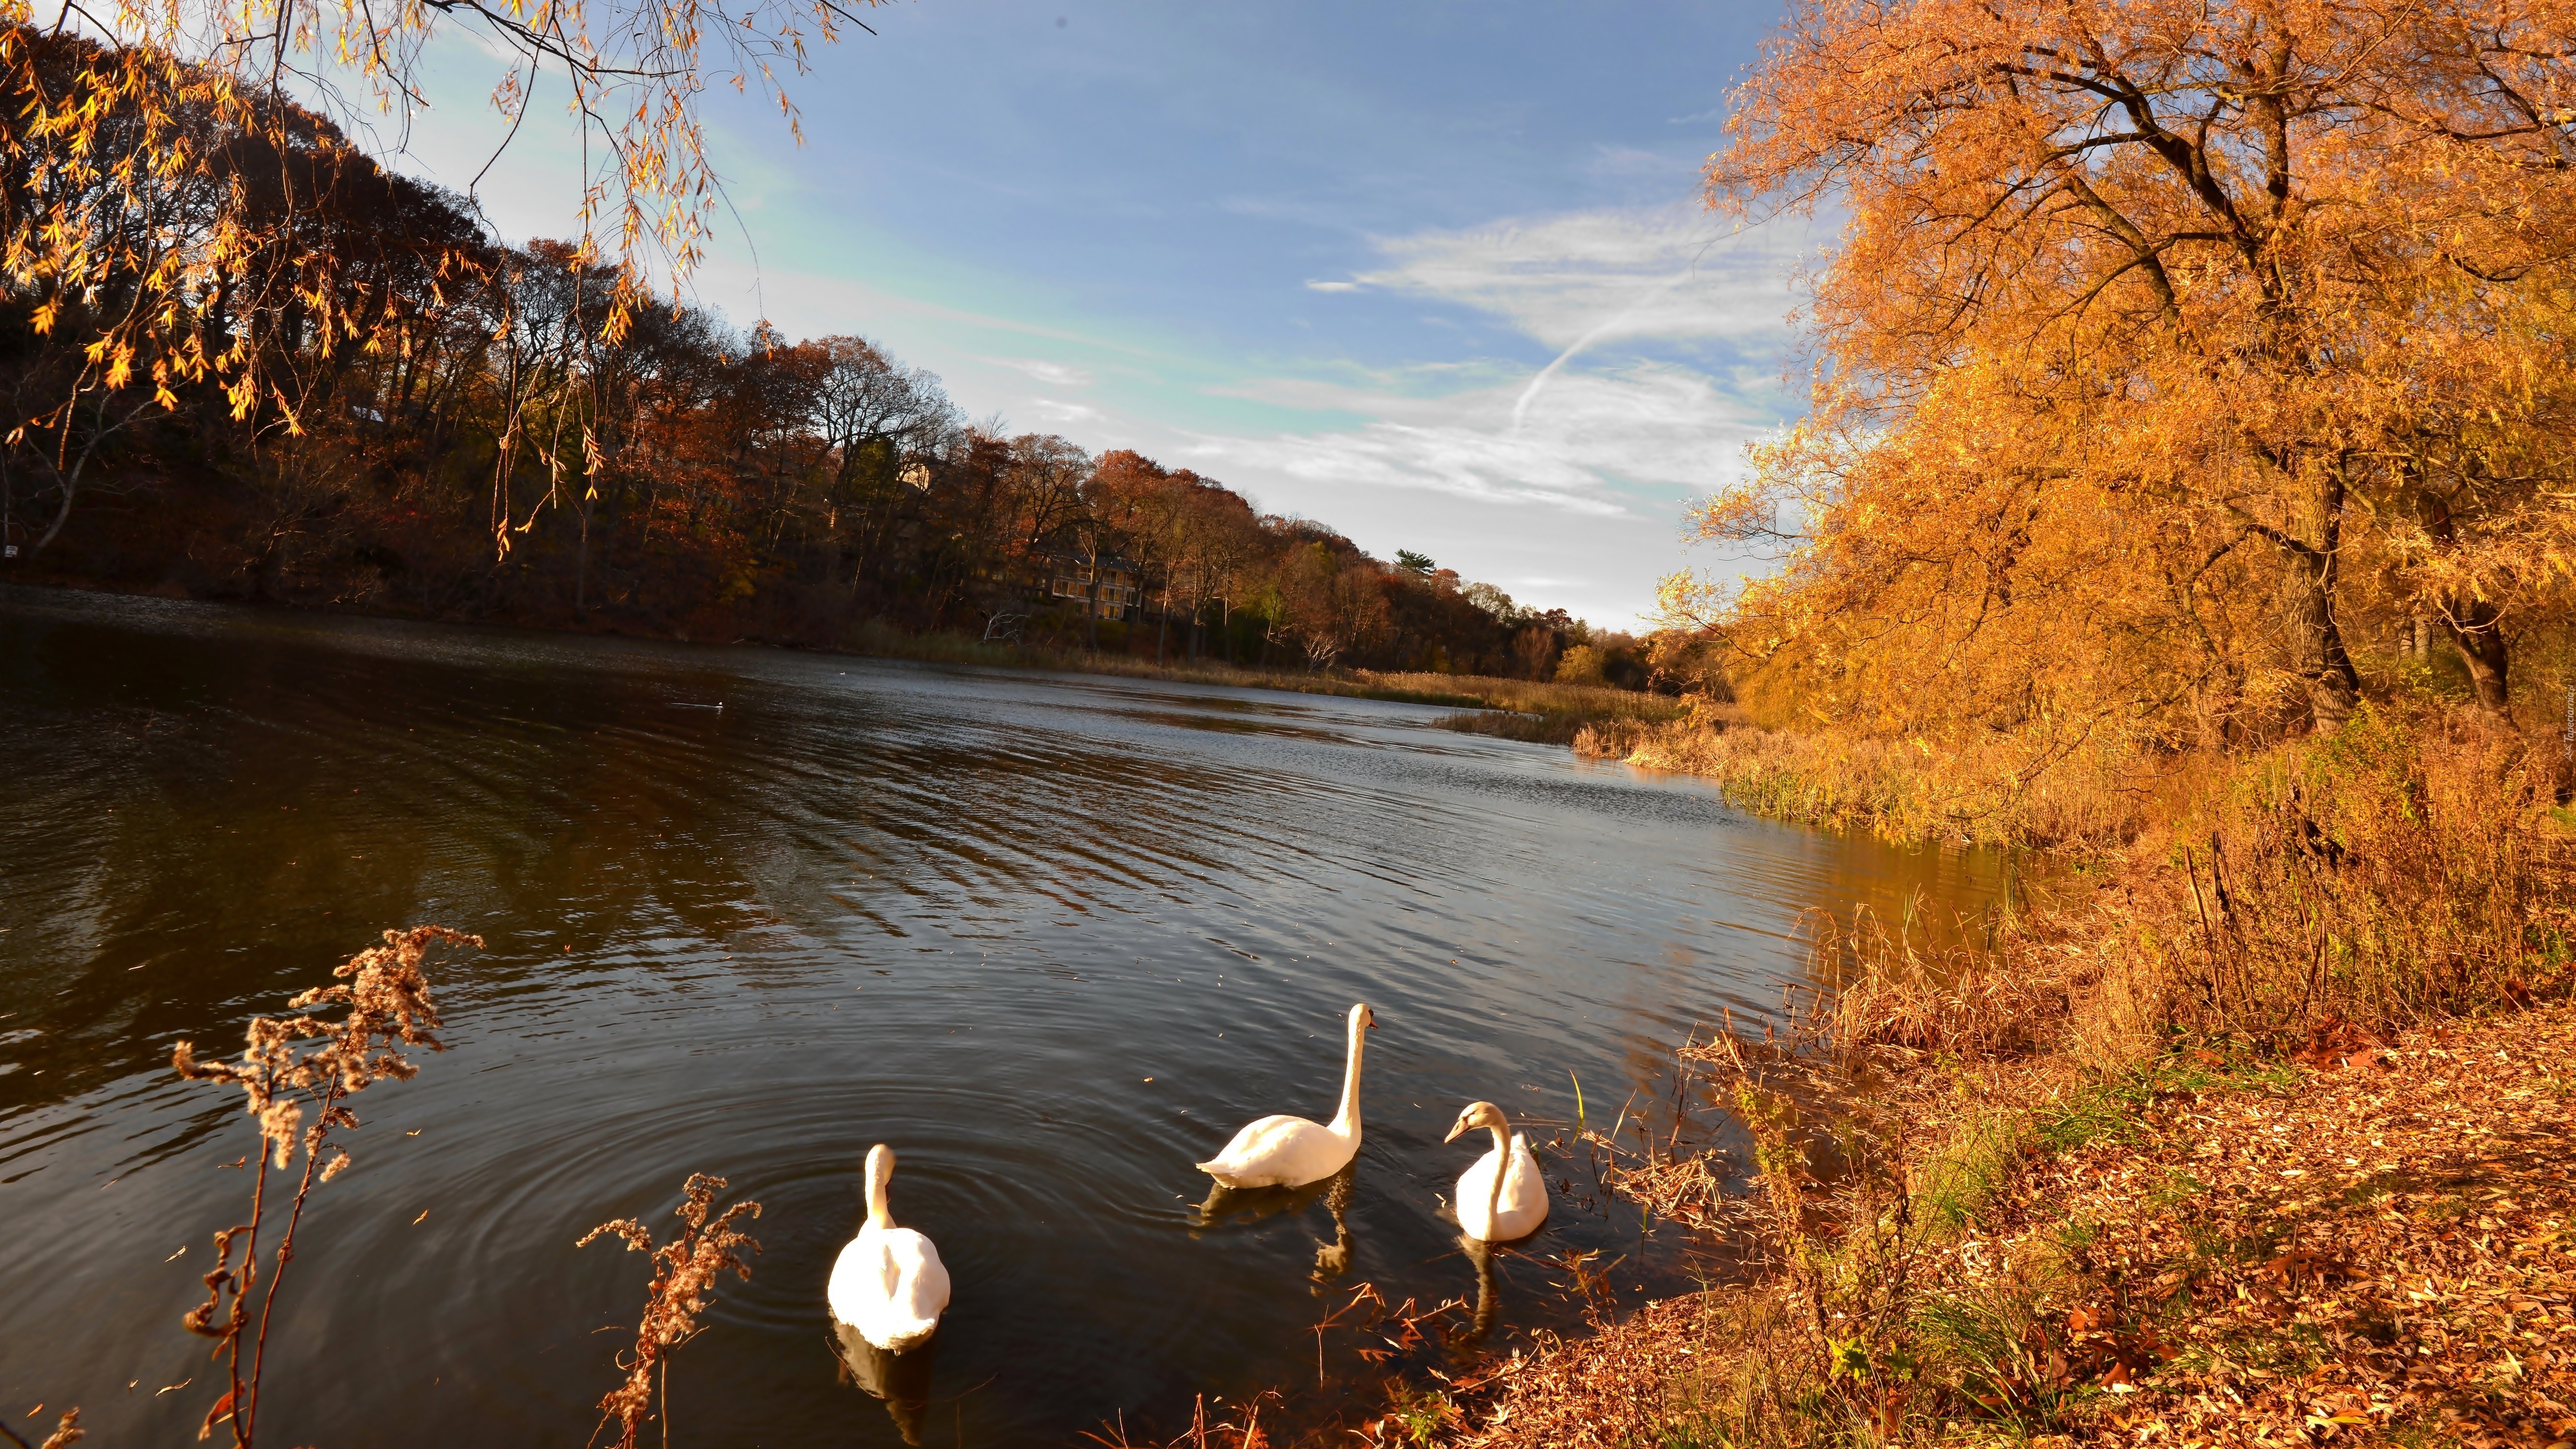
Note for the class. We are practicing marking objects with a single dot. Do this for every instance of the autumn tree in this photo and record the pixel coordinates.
(1043, 477)
(127, 233)
(1147, 508)
(1328, 601)
(877, 416)
(2164, 338)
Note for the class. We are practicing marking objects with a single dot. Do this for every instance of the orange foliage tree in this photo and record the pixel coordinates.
(2171, 347)
(139, 231)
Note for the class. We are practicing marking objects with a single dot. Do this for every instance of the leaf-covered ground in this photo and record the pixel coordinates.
(2372, 1243)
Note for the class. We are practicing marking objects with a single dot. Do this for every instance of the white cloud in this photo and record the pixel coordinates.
(1332, 286)
(1602, 438)
(1053, 374)
(1591, 437)
(1060, 413)
(1670, 274)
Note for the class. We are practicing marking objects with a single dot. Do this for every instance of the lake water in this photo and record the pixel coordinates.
(1052, 937)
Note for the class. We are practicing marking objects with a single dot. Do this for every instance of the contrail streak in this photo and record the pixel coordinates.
(1530, 393)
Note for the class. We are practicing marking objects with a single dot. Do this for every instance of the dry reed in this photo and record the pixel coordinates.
(1984, 793)
(2010, 993)
(282, 1084)
(2408, 867)
(1203, 1432)
(1550, 714)
(685, 1271)
(67, 1432)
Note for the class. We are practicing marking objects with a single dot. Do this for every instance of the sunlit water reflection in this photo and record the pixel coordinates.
(1053, 938)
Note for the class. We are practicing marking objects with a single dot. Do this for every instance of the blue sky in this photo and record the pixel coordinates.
(1432, 272)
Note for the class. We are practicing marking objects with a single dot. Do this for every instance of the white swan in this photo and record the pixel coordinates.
(1291, 1151)
(888, 1283)
(1499, 1204)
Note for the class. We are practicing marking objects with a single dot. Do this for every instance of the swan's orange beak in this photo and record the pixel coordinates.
(1454, 1131)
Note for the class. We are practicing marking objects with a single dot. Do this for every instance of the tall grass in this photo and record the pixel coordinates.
(2415, 862)
(1551, 714)
(2409, 865)
(1983, 793)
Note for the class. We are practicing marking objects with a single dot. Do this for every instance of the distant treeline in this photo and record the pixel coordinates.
(451, 427)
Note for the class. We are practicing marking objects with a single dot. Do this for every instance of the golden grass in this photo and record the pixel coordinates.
(1973, 796)
(1555, 714)
(2414, 863)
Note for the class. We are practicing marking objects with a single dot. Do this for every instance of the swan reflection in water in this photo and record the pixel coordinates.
(901, 1379)
(1252, 1204)
(1488, 1293)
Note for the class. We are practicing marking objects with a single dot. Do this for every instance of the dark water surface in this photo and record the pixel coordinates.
(966, 912)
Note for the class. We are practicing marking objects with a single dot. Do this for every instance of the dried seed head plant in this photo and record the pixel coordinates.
(66, 1433)
(283, 1082)
(685, 1270)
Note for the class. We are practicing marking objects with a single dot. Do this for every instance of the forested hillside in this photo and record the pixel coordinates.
(381, 407)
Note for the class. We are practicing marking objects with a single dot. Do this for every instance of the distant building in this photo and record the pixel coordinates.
(1104, 588)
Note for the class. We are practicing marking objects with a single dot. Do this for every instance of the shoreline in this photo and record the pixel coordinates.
(1561, 709)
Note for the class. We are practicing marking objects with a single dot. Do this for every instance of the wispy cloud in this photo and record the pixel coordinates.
(1053, 374)
(1609, 443)
(1062, 413)
(1332, 286)
(1599, 430)
(1670, 274)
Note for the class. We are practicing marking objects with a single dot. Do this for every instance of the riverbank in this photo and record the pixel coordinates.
(2362, 1238)
(2251, 1133)
(1533, 710)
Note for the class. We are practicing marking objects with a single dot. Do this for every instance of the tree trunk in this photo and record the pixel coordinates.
(2334, 687)
(71, 489)
(2475, 631)
(2472, 624)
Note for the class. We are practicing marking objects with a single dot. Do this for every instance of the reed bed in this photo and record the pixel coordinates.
(1549, 714)
(1985, 795)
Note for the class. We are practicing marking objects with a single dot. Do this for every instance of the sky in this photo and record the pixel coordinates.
(1434, 273)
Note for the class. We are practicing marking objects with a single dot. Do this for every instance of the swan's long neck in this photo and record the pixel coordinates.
(877, 1214)
(1502, 1168)
(1347, 1120)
